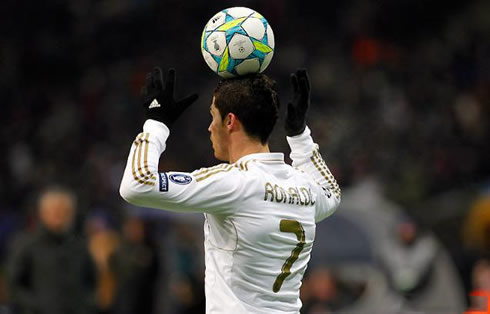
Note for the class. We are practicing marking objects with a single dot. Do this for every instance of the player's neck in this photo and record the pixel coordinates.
(245, 146)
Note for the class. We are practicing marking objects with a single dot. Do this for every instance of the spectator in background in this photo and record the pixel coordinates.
(186, 284)
(136, 266)
(103, 241)
(480, 282)
(409, 258)
(476, 227)
(475, 232)
(50, 272)
(325, 292)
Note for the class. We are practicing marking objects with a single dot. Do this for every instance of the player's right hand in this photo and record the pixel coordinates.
(298, 106)
(158, 98)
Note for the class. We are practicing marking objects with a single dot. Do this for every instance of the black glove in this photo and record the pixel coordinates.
(158, 102)
(298, 106)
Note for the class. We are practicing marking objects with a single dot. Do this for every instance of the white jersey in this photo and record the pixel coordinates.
(260, 217)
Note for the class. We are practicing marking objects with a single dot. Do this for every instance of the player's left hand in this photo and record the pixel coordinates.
(158, 98)
(298, 106)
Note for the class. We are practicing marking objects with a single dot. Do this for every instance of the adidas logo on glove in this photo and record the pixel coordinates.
(154, 104)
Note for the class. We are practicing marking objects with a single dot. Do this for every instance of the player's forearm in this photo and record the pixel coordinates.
(141, 174)
(306, 156)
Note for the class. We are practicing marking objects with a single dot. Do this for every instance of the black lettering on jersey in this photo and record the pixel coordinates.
(327, 192)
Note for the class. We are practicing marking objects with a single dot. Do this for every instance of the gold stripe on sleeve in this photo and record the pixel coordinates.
(213, 173)
(317, 166)
(141, 174)
(244, 165)
(206, 170)
(320, 165)
(329, 174)
(136, 144)
(137, 147)
(144, 163)
(335, 186)
(147, 142)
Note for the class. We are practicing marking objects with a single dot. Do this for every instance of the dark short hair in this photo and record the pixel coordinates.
(253, 99)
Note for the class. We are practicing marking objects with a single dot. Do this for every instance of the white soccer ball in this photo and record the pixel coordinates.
(237, 41)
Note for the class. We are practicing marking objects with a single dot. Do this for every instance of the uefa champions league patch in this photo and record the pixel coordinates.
(163, 182)
(180, 178)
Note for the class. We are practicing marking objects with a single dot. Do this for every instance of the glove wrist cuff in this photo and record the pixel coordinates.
(158, 117)
(295, 131)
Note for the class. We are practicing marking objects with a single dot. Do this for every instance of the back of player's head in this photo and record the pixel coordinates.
(253, 99)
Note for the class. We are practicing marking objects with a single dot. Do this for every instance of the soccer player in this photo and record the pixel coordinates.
(260, 213)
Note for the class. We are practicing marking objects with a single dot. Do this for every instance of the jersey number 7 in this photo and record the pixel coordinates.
(295, 227)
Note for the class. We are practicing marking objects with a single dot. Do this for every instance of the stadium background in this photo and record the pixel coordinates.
(401, 93)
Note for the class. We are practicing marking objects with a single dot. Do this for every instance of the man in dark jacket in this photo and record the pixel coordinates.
(136, 265)
(50, 272)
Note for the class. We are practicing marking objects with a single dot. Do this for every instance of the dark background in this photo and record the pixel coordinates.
(401, 93)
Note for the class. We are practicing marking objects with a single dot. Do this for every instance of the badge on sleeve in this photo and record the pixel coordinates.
(180, 178)
(163, 182)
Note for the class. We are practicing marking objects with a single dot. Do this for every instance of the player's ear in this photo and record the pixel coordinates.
(230, 121)
(233, 123)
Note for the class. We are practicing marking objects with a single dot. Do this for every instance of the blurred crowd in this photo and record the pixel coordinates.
(400, 109)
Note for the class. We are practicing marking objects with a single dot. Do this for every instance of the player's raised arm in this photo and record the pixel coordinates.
(304, 152)
(143, 185)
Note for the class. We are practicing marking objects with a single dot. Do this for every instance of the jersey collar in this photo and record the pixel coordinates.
(262, 157)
